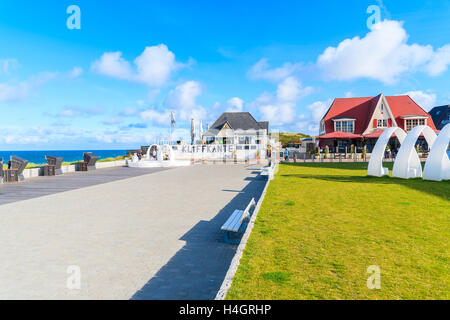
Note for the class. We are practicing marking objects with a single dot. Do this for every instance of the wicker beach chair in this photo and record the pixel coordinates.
(19, 164)
(2, 172)
(90, 159)
(56, 162)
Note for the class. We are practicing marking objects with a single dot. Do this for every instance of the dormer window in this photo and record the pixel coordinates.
(411, 121)
(344, 125)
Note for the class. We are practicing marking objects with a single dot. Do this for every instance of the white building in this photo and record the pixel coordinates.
(238, 128)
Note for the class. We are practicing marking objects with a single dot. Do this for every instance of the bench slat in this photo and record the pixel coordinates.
(230, 219)
(233, 220)
(236, 222)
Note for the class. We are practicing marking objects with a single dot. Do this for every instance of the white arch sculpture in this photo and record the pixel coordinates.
(376, 159)
(407, 163)
(165, 149)
(148, 155)
(437, 167)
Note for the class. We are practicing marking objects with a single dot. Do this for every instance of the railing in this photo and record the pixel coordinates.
(226, 152)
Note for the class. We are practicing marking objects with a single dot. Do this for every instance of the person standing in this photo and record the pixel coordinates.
(286, 155)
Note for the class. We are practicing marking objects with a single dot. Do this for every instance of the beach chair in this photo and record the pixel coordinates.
(56, 162)
(2, 172)
(90, 159)
(17, 166)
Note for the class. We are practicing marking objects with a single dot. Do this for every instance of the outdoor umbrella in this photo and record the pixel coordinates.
(200, 130)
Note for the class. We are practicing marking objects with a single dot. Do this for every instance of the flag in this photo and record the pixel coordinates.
(200, 130)
(172, 118)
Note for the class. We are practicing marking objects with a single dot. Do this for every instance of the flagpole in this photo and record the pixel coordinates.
(172, 123)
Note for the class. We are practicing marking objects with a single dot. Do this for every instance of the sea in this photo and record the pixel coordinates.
(38, 157)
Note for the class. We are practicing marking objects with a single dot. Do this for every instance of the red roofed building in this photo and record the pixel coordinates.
(360, 121)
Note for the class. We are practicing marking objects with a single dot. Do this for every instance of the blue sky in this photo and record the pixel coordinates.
(111, 83)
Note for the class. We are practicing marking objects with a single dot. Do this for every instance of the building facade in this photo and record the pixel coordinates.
(360, 121)
(237, 128)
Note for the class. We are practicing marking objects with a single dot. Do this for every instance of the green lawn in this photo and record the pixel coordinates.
(322, 225)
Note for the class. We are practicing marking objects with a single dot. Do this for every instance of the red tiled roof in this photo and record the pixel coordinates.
(376, 134)
(362, 109)
(404, 105)
(341, 135)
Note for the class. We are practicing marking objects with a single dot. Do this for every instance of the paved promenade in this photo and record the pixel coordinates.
(151, 236)
(41, 186)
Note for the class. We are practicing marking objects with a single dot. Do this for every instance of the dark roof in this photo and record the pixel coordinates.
(441, 116)
(264, 125)
(237, 121)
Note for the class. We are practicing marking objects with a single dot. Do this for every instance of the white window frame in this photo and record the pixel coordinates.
(410, 123)
(341, 125)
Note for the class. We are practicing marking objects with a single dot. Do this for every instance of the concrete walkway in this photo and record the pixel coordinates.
(41, 186)
(154, 236)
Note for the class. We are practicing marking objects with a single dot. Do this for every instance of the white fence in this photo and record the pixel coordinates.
(230, 152)
(31, 173)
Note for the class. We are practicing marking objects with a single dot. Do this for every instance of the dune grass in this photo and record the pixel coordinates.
(322, 225)
(286, 137)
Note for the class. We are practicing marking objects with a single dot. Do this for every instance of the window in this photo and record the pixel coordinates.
(411, 123)
(322, 126)
(345, 126)
(382, 123)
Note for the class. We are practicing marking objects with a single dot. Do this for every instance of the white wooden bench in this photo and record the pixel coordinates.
(269, 171)
(237, 222)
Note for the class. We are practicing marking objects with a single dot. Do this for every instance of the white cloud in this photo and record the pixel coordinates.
(318, 110)
(155, 64)
(349, 94)
(235, 105)
(383, 54)
(291, 90)
(75, 111)
(280, 109)
(129, 112)
(425, 100)
(112, 64)
(13, 92)
(439, 62)
(8, 65)
(112, 121)
(10, 92)
(75, 72)
(261, 70)
(183, 100)
(155, 116)
(153, 67)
